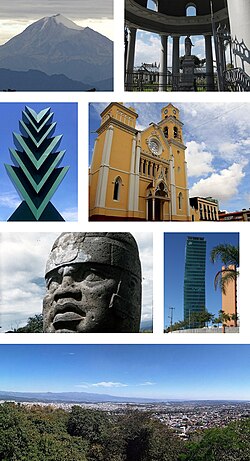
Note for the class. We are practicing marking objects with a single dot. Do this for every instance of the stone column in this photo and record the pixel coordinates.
(239, 18)
(104, 169)
(209, 63)
(175, 62)
(153, 209)
(163, 63)
(130, 57)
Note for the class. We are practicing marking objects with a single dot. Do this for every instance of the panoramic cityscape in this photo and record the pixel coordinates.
(158, 398)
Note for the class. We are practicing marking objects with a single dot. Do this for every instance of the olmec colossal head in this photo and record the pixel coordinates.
(93, 284)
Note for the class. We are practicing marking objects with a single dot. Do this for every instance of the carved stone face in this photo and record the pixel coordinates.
(78, 299)
(89, 297)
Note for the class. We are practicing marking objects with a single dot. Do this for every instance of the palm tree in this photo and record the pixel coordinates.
(229, 256)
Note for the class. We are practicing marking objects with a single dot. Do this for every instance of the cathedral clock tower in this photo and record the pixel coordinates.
(139, 174)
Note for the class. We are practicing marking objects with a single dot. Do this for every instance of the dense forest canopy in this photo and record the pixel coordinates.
(43, 433)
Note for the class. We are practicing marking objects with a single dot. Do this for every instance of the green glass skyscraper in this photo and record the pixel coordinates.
(194, 278)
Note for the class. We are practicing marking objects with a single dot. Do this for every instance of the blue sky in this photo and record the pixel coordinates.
(159, 371)
(65, 114)
(218, 146)
(174, 262)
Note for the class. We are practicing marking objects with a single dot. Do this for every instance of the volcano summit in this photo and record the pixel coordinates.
(56, 45)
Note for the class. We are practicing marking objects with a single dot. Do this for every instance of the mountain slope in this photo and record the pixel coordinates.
(69, 397)
(55, 45)
(35, 80)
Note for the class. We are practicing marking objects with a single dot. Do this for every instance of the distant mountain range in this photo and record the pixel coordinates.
(67, 397)
(87, 397)
(58, 47)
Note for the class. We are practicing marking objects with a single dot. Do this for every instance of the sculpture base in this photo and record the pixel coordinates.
(188, 78)
(23, 213)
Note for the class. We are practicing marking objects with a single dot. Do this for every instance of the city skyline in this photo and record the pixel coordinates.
(218, 147)
(147, 371)
(174, 250)
(65, 116)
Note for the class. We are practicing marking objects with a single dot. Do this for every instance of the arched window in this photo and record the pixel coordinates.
(117, 187)
(152, 5)
(191, 9)
(175, 132)
(165, 131)
(180, 199)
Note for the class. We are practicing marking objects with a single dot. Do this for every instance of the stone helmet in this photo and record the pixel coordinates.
(118, 250)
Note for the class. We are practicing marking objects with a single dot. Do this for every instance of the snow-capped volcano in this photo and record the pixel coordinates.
(56, 45)
(60, 19)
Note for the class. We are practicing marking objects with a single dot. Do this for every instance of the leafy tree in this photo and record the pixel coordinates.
(229, 256)
(231, 443)
(199, 319)
(34, 325)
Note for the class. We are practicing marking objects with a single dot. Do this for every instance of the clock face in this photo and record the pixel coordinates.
(154, 147)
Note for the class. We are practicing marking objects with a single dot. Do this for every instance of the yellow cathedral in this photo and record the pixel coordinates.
(138, 174)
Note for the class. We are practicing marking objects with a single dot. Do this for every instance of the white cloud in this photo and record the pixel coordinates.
(147, 383)
(22, 266)
(148, 48)
(10, 200)
(145, 244)
(199, 160)
(229, 149)
(106, 384)
(17, 15)
(223, 185)
(109, 384)
(70, 214)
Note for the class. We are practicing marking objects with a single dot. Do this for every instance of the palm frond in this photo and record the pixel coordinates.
(227, 253)
(224, 277)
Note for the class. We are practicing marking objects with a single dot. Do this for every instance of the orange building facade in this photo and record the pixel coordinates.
(139, 174)
(229, 298)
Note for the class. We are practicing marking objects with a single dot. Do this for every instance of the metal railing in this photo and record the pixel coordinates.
(237, 80)
(147, 81)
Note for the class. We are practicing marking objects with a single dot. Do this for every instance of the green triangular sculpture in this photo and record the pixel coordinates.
(36, 175)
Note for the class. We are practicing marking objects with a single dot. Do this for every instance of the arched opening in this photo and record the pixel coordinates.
(117, 188)
(175, 132)
(180, 200)
(191, 9)
(165, 131)
(152, 5)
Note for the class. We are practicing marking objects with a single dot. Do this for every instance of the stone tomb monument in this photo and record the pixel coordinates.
(93, 284)
(187, 78)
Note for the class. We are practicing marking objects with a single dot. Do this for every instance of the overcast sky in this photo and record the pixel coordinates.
(218, 147)
(22, 266)
(16, 15)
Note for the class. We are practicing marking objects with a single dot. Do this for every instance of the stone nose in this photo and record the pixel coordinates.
(68, 289)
